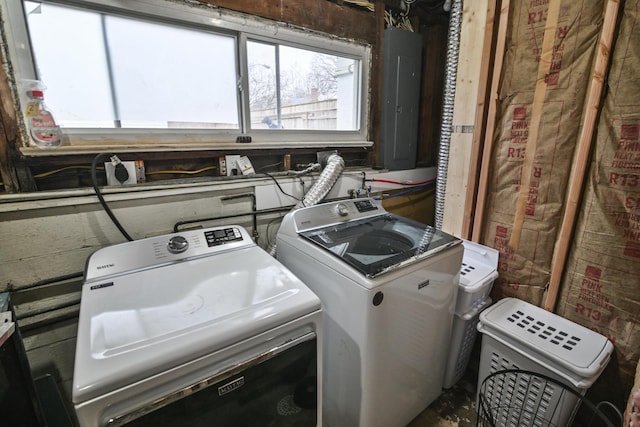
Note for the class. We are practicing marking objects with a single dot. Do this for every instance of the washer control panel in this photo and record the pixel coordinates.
(160, 250)
(342, 209)
(324, 214)
(365, 205)
(177, 244)
(222, 235)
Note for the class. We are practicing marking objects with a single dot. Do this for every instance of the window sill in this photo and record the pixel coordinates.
(65, 150)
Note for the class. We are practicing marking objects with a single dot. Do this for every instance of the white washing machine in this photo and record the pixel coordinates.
(197, 328)
(388, 288)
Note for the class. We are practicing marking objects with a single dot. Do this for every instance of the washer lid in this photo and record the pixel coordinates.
(139, 324)
(378, 244)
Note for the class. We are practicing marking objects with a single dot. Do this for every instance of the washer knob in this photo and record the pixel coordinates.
(342, 210)
(177, 244)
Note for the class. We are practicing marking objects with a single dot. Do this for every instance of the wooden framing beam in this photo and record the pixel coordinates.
(479, 130)
(490, 127)
(338, 19)
(581, 157)
(539, 96)
(375, 83)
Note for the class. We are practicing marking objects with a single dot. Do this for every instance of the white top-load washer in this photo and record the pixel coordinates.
(388, 288)
(171, 327)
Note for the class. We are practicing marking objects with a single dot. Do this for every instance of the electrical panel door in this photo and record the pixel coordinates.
(402, 54)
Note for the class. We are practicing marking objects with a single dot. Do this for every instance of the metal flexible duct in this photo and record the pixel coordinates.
(451, 71)
(328, 177)
(311, 168)
(319, 190)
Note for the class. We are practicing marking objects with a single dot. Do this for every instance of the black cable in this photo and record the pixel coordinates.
(106, 208)
(280, 188)
(270, 166)
(407, 191)
(176, 226)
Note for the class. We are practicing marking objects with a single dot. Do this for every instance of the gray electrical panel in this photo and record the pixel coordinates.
(401, 75)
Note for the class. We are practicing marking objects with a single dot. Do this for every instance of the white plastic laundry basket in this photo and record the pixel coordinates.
(479, 265)
(519, 335)
(463, 336)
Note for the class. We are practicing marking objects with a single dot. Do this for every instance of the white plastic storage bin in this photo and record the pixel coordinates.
(519, 335)
(479, 270)
(463, 336)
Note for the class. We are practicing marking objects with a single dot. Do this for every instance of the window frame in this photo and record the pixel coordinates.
(209, 18)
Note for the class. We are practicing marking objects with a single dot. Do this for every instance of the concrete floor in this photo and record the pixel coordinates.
(456, 406)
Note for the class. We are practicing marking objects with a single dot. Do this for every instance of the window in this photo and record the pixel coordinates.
(294, 88)
(116, 72)
(104, 71)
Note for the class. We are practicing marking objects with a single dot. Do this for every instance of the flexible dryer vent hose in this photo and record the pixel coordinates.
(328, 177)
(451, 72)
(319, 190)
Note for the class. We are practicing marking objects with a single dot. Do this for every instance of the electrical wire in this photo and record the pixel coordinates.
(401, 21)
(270, 166)
(52, 172)
(362, 3)
(280, 188)
(388, 181)
(177, 225)
(405, 23)
(106, 208)
(612, 408)
(188, 172)
(407, 191)
(160, 172)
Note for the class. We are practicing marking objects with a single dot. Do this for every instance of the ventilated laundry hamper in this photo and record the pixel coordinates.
(515, 397)
(519, 335)
(463, 336)
(478, 272)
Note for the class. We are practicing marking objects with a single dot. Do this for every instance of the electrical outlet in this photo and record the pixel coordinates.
(222, 166)
(141, 176)
(232, 165)
(109, 169)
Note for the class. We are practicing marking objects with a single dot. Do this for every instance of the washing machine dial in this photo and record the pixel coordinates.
(342, 210)
(177, 245)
